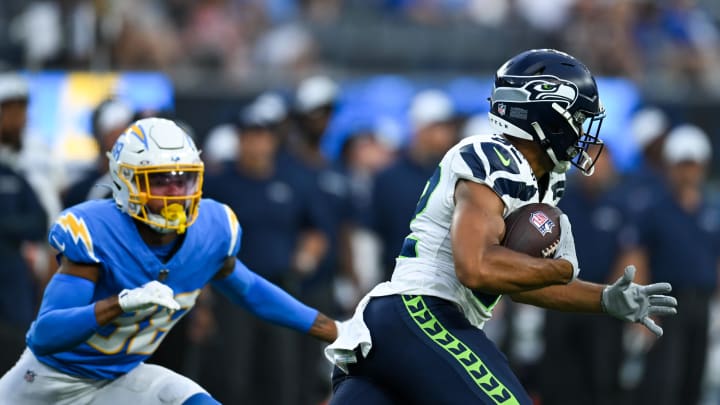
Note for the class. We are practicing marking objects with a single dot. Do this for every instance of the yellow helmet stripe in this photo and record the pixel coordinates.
(138, 132)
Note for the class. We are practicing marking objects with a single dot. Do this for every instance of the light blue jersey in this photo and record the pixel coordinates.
(96, 232)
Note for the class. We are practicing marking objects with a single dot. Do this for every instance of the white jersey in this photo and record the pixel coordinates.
(425, 265)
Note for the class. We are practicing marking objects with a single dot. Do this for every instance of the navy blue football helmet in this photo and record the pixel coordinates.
(549, 97)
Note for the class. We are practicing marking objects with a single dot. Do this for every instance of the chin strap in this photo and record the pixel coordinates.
(586, 160)
(559, 166)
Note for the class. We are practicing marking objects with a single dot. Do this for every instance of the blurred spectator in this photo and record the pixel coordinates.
(275, 206)
(315, 100)
(140, 35)
(598, 32)
(674, 43)
(24, 152)
(679, 44)
(22, 220)
(396, 188)
(33, 159)
(109, 120)
(287, 49)
(220, 147)
(535, 13)
(648, 127)
(589, 348)
(39, 47)
(315, 104)
(679, 236)
(217, 33)
(363, 154)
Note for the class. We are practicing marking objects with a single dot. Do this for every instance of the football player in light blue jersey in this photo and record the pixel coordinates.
(131, 267)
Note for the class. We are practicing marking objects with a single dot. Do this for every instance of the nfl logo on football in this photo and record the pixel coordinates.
(541, 221)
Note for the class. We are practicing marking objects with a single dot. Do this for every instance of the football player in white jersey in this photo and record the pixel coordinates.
(418, 338)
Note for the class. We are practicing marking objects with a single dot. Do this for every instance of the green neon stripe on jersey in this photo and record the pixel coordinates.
(471, 362)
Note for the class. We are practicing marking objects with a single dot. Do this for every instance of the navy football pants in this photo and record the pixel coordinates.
(426, 352)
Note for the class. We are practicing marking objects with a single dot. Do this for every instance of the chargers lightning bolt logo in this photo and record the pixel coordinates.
(77, 228)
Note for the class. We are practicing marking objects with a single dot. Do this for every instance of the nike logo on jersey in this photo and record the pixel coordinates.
(505, 161)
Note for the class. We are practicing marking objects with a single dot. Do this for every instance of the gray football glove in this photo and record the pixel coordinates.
(637, 303)
(566, 246)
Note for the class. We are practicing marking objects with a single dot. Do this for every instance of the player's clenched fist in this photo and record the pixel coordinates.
(150, 294)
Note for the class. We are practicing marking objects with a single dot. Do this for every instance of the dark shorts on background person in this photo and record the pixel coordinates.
(426, 352)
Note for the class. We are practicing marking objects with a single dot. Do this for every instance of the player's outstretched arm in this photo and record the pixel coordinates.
(270, 302)
(324, 328)
(623, 299)
(481, 263)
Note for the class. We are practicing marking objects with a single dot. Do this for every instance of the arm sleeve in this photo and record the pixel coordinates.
(67, 315)
(265, 299)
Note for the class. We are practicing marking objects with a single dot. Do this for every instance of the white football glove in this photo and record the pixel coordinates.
(566, 246)
(150, 294)
(636, 303)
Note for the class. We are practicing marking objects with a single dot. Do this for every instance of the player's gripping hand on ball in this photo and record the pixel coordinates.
(566, 246)
(637, 303)
(150, 294)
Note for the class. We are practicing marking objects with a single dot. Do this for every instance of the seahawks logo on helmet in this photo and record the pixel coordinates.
(560, 90)
(539, 89)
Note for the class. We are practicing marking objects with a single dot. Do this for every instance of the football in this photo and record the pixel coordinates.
(533, 229)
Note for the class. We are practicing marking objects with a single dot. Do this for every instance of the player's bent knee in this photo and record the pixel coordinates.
(201, 398)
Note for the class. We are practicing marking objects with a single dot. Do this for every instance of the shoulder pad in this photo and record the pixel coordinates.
(71, 236)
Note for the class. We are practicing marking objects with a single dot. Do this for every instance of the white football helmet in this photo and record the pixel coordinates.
(152, 154)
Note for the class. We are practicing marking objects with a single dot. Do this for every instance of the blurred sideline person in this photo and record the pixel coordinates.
(688, 256)
(33, 159)
(587, 348)
(364, 152)
(648, 127)
(274, 202)
(109, 120)
(22, 219)
(395, 189)
(24, 152)
(315, 105)
(130, 268)
(418, 338)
